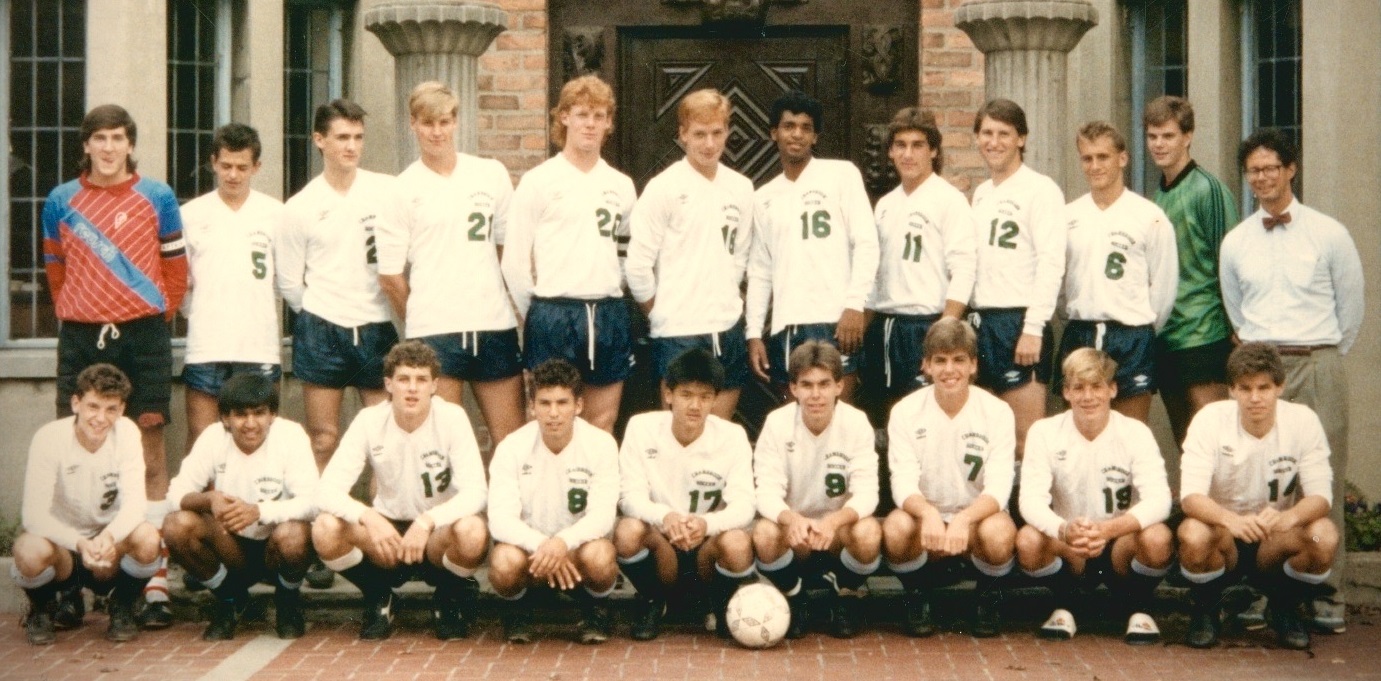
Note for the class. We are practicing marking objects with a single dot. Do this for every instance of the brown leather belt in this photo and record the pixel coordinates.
(1301, 350)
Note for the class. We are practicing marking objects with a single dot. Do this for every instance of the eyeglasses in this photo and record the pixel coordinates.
(1270, 171)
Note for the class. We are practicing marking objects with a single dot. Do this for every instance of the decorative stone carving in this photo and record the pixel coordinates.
(436, 40)
(750, 12)
(1026, 46)
(582, 50)
(878, 174)
(882, 47)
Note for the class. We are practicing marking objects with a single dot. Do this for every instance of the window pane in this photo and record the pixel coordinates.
(191, 92)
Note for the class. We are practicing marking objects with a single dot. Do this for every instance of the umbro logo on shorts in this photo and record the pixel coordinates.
(1012, 376)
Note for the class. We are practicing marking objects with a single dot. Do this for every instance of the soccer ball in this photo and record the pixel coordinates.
(758, 616)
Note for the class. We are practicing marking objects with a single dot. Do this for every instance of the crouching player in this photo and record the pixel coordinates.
(817, 488)
(83, 513)
(425, 518)
(246, 493)
(554, 487)
(950, 448)
(1095, 499)
(686, 495)
(1256, 488)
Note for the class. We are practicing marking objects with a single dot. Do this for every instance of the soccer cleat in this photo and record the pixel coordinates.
(1290, 628)
(800, 615)
(155, 615)
(844, 614)
(319, 576)
(448, 618)
(122, 626)
(71, 608)
(647, 619)
(225, 619)
(517, 624)
(1203, 630)
(1141, 630)
(918, 622)
(1329, 616)
(38, 626)
(1252, 617)
(987, 614)
(594, 623)
(1059, 626)
(289, 621)
(378, 619)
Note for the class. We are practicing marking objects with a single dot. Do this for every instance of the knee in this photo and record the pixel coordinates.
(1030, 544)
(470, 534)
(1155, 544)
(1324, 539)
(292, 541)
(181, 527)
(866, 535)
(736, 547)
(629, 534)
(327, 530)
(898, 529)
(324, 438)
(597, 557)
(506, 563)
(1194, 536)
(144, 543)
(33, 554)
(767, 538)
(998, 534)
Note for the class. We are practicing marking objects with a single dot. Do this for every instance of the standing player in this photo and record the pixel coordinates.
(689, 246)
(686, 495)
(1019, 226)
(231, 306)
(83, 513)
(1256, 491)
(1122, 270)
(1193, 345)
(554, 486)
(926, 269)
(246, 497)
(449, 235)
(817, 488)
(425, 518)
(815, 249)
(328, 273)
(951, 452)
(113, 249)
(562, 262)
(1291, 277)
(1095, 499)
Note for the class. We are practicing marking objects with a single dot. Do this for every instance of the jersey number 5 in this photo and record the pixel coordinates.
(259, 260)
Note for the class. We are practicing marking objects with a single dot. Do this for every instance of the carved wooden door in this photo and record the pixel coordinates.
(660, 66)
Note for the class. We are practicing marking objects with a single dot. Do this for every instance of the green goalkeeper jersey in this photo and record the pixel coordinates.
(1203, 210)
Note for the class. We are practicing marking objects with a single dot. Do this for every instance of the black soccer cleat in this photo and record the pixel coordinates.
(647, 619)
(594, 623)
(918, 622)
(155, 615)
(289, 622)
(378, 619)
(122, 626)
(71, 609)
(225, 619)
(449, 622)
(517, 624)
(38, 626)
(800, 615)
(319, 576)
(1291, 630)
(844, 616)
(987, 615)
(1203, 630)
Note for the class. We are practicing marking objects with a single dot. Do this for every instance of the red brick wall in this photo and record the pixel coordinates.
(513, 88)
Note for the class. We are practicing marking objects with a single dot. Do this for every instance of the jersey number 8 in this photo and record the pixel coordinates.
(576, 499)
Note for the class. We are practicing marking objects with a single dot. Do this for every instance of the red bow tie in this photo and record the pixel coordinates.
(1271, 222)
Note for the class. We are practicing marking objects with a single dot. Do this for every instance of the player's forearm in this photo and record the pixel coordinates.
(981, 508)
(395, 287)
(1309, 509)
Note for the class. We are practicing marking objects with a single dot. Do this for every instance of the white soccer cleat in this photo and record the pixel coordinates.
(1059, 626)
(1141, 630)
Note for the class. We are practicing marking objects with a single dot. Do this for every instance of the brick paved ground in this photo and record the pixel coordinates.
(331, 652)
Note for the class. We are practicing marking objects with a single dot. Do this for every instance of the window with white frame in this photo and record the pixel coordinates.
(314, 49)
(45, 95)
(1160, 66)
(199, 68)
(1272, 61)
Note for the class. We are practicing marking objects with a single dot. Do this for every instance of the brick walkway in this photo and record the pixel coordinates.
(331, 652)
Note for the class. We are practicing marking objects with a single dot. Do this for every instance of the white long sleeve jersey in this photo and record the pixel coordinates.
(71, 494)
(232, 304)
(815, 247)
(1123, 264)
(435, 469)
(951, 461)
(711, 477)
(1065, 476)
(537, 494)
(1020, 230)
(280, 477)
(689, 243)
(446, 236)
(564, 232)
(927, 250)
(1245, 474)
(816, 474)
(328, 260)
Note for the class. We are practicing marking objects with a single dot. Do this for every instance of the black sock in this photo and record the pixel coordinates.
(373, 581)
(786, 578)
(642, 574)
(722, 587)
(42, 596)
(1141, 591)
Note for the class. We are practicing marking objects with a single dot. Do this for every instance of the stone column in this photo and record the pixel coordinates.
(1026, 45)
(436, 40)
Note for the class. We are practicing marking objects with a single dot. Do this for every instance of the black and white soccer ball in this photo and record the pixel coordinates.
(758, 616)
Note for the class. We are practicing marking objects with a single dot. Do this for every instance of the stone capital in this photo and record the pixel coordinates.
(436, 26)
(1036, 25)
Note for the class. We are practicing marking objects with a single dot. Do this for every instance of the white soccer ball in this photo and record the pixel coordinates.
(758, 616)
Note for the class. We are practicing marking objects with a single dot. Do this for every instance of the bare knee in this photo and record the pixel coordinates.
(328, 536)
(735, 550)
(768, 539)
(997, 536)
(1032, 547)
(596, 559)
(33, 554)
(143, 543)
(1154, 545)
(865, 538)
(182, 527)
(629, 536)
(1323, 541)
(507, 564)
(292, 542)
(470, 536)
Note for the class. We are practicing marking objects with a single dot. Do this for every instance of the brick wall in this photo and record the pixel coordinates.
(513, 89)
